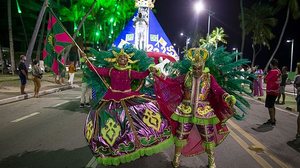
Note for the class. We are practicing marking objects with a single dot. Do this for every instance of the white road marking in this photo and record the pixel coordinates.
(77, 97)
(280, 109)
(92, 163)
(25, 117)
(61, 103)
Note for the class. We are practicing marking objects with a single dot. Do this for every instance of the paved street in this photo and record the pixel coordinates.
(48, 132)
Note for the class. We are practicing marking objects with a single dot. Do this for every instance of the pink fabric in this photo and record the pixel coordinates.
(55, 66)
(169, 94)
(120, 81)
(45, 53)
(194, 143)
(52, 21)
(63, 37)
(273, 82)
(157, 55)
(58, 49)
(215, 98)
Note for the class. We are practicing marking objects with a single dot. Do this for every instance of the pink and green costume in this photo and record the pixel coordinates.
(204, 129)
(126, 125)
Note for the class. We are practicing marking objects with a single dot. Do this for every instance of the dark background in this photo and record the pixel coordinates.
(177, 16)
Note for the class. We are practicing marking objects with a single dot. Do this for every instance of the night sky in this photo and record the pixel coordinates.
(177, 16)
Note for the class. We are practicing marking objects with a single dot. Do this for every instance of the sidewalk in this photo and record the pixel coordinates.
(10, 87)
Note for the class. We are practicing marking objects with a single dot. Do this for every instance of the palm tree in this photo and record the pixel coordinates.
(293, 7)
(1, 59)
(11, 41)
(242, 18)
(258, 23)
(80, 24)
(216, 36)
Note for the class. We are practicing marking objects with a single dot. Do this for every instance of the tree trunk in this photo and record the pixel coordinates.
(255, 53)
(1, 59)
(253, 56)
(38, 52)
(25, 34)
(243, 28)
(78, 29)
(35, 32)
(11, 42)
(280, 38)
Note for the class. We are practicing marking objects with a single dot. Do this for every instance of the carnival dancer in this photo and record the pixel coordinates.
(126, 124)
(203, 110)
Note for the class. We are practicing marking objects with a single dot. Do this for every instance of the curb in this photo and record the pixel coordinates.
(30, 95)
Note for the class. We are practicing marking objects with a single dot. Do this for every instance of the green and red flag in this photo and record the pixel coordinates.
(56, 42)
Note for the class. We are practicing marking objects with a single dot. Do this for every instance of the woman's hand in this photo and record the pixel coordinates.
(153, 69)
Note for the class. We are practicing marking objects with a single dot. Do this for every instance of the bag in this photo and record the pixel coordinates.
(40, 76)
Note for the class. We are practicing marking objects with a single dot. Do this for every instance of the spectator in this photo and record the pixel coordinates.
(71, 73)
(272, 80)
(85, 89)
(23, 73)
(297, 86)
(284, 77)
(37, 76)
(258, 82)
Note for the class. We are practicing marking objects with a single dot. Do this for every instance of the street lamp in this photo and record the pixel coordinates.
(177, 48)
(187, 40)
(236, 53)
(292, 52)
(198, 7)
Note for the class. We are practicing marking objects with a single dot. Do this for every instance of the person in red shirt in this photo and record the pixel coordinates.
(273, 84)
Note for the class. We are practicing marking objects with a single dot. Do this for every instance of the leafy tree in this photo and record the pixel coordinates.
(259, 21)
(292, 7)
(216, 36)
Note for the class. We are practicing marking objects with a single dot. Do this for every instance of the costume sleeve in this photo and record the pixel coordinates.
(215, 87)
(139, 75)
(100, 71)
(217, 102)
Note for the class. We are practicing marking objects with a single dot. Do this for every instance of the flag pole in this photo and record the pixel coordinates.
(105, 83)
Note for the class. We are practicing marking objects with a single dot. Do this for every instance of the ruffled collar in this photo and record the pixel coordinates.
(116, 66)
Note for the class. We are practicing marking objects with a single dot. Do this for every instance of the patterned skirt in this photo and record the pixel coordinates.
(120, 132)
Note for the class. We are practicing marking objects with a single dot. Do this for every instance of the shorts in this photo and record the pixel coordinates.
(282, 90)
(23, 79)
(270, 101)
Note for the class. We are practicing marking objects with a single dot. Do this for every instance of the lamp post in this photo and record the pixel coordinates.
(177, 48)
(236, 53)
(292, 53)
(198, 7)
(187, 40)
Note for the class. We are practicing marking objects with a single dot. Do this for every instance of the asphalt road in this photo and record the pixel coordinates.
(48, 133)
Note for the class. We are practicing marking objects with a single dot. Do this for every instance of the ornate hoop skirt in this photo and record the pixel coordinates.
(122, 131)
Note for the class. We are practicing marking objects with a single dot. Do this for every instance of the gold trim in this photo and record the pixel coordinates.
(120, 91)
(137, 142)
(126, 98)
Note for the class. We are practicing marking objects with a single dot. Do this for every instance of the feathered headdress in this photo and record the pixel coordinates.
(121, 53)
